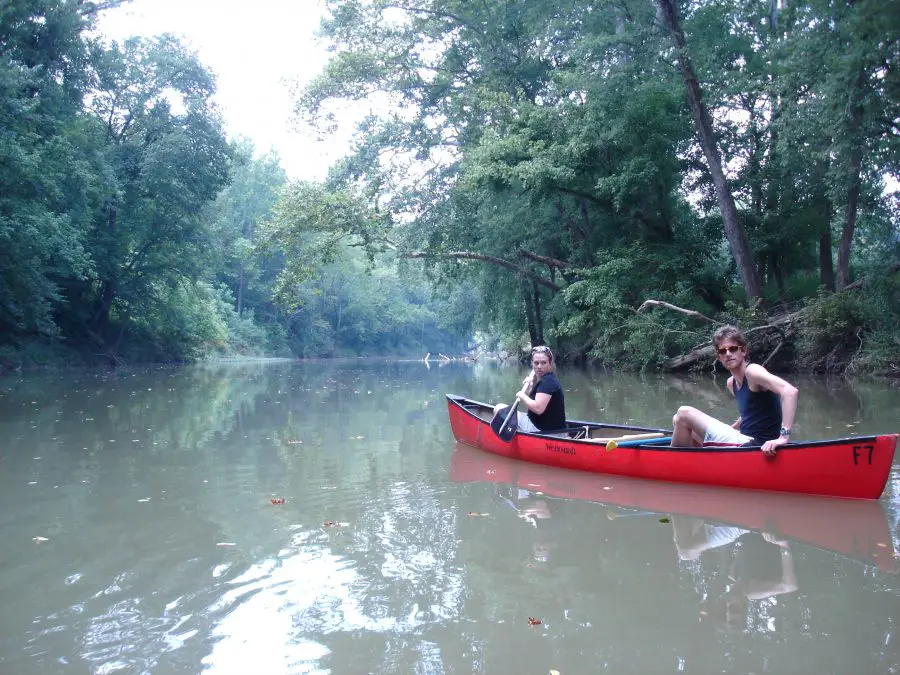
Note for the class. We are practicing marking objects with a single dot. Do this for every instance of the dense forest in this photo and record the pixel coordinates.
(612, 178)
(130, 226)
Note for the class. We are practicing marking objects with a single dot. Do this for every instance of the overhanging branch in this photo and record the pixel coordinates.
(547, 260)
(500, 262)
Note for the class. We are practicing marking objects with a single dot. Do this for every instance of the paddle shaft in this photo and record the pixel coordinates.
(631, 441)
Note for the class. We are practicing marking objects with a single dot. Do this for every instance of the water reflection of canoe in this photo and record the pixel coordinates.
(856, 467)
(855, 528)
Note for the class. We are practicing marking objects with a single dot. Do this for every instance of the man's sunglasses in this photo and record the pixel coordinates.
(730, 349)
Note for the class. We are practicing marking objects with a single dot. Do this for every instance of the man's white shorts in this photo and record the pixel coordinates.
(719, 433)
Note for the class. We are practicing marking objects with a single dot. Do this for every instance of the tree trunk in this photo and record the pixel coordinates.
(826, 264)
(240, 293)
(854, 169)
(843, 261)
(100, 320)
(533, 335)
(538, 319)
(779, 276)
(101, 317)
(734, 230)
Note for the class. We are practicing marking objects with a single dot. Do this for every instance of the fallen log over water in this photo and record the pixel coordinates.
(766, 339)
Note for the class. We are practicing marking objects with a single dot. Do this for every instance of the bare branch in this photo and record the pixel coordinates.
(660, 303)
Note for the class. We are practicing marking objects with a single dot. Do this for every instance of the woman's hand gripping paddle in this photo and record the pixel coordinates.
(505, 422)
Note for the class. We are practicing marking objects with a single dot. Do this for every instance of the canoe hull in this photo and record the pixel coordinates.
(853, 468)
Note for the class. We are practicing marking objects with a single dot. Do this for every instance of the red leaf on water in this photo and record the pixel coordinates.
(277, 500)
(533, 622)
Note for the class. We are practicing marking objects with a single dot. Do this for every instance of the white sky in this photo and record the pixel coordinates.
(256, 49)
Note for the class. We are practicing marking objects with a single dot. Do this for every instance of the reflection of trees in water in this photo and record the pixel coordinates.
(608, 592)
(740, 607)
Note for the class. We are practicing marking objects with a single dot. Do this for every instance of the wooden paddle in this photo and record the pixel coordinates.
(505, 425)
(633, 439)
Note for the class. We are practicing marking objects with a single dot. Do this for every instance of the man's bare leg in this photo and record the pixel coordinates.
(689, 426)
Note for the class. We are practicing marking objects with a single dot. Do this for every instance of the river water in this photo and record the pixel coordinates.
(138, 532)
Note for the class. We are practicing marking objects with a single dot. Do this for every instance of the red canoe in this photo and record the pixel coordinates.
(855, 528)
(856, 468)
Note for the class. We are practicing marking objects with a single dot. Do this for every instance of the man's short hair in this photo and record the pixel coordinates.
(729, 332)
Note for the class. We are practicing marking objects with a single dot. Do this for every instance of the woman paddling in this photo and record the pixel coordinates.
(542, 394)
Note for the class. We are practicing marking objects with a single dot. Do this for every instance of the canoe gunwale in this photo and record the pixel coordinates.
(466, 403)
(856, 467)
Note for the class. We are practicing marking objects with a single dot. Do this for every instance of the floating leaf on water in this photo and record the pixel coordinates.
(277, 500)
(533, 622)
(664, 520)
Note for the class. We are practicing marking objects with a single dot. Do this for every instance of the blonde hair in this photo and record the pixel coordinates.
(543, 349)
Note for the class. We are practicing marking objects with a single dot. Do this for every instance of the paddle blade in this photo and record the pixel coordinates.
(505, 422)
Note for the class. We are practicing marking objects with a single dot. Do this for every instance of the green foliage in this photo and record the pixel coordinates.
(353, 308)
(179, 323)
(855, 330)
(558, 130)
(43, 174)
(535, 177)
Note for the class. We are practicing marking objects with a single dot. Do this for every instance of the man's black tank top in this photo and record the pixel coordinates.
(760, 412)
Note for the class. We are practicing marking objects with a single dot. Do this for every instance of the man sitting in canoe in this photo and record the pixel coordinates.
(542, 394)
(767, 403)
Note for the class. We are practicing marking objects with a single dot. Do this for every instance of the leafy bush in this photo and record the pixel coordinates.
(855, 330)
(182, 323)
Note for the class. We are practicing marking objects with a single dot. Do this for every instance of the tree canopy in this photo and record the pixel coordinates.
(573, 159)
(531, 172)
